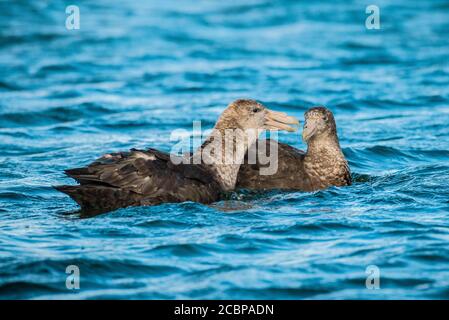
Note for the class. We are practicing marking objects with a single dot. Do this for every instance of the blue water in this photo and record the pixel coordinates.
(136, 70)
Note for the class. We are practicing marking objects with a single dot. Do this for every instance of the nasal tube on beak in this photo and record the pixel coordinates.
(280, 121)
(308, 131)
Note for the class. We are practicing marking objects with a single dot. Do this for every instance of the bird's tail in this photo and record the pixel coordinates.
(98, 198)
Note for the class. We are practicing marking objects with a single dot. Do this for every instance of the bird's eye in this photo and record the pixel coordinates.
(325, 118)
(256, 110)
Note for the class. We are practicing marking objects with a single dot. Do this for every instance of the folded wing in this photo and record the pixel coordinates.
(139, 177)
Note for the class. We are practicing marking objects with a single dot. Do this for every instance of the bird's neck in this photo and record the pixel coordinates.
(224, 151)
(324, 144)
(324, 152)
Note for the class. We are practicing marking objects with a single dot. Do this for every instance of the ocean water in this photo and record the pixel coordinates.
(137, 70)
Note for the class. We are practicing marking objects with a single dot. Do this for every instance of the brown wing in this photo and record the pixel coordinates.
(140, 178)
(289, 173)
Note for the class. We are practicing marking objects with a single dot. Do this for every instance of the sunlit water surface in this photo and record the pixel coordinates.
(136, 70)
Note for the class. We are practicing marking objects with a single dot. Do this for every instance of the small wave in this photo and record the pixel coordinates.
(304, 228)
(183, 250)
(17, 196)
(11, 40)
(163, 224)
(9, 86)
(46, 267)
(52, 116)
(45, 70)
(26, 289)
(300, 292)
(380, 59)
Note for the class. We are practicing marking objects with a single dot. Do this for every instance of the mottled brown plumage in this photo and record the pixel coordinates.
(153, 177)
(322, 166)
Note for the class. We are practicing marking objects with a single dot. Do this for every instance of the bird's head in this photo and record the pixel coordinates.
(319, 122)
(247, 114)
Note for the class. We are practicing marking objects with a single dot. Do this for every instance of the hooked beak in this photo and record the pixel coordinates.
(308, 131)
(279, 121)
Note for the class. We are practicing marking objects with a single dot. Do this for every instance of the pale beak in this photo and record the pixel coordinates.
(309, 130)
(280, 121)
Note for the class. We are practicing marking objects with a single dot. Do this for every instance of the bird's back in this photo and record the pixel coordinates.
(289, 173)
(296, 170)
(137, 178)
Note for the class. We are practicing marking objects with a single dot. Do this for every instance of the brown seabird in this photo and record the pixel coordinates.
(322, 166)
(151, 177)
